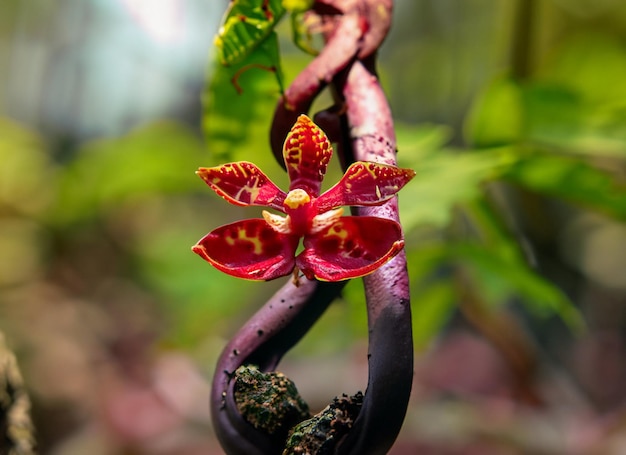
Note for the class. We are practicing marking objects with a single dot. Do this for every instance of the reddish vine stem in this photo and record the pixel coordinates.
(299, 96)
(371, 137)
(355, 29)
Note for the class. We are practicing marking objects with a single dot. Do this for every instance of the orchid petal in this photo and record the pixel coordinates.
(350, 248)
(243, 183)
(307, 152)
(249, 249)
(365, 183)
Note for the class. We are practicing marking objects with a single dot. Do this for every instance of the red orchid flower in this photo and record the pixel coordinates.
(336, 247)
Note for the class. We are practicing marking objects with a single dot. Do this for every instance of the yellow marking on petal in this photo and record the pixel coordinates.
(281, 224)
(293, 155)
(323, 220)
(297, 198)
(338, 231)
(252, 187)
(307, 134)
(240, 171)
(241, 235)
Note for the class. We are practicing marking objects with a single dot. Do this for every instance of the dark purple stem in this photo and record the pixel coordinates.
(390, 357)
(262, 341)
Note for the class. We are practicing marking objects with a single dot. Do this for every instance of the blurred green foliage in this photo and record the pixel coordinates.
(136, 192)
(540, 134)
(517, 134)
(560, 133)
(27, 183)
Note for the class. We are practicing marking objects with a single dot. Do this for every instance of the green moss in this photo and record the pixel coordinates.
(320, 434)
(268, 401)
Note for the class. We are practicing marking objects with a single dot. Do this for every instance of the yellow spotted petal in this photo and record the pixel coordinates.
(307, 152)
(365, 183)
(350, 248)
(249, 249)
(243, 183)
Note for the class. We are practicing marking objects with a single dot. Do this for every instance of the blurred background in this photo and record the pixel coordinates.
(513, 113)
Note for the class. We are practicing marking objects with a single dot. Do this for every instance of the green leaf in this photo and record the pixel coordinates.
(497, 116)
(501, 271)
(247, 39)
(160, 158)
(571, 179)
(432, 307)
(593, 65)
(417, 142)
(560, 117)
(577, 101)
(232, 119)
(500, 279)
(246, 25)
(236, 124)
(27, 175)
(446, 180)
(433, 293)
(498, 272)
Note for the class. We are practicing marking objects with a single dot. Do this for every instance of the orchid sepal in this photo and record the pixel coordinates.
(365, 184)
(243, 183)
(249, 249)
(352, 247)
(306, 153)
